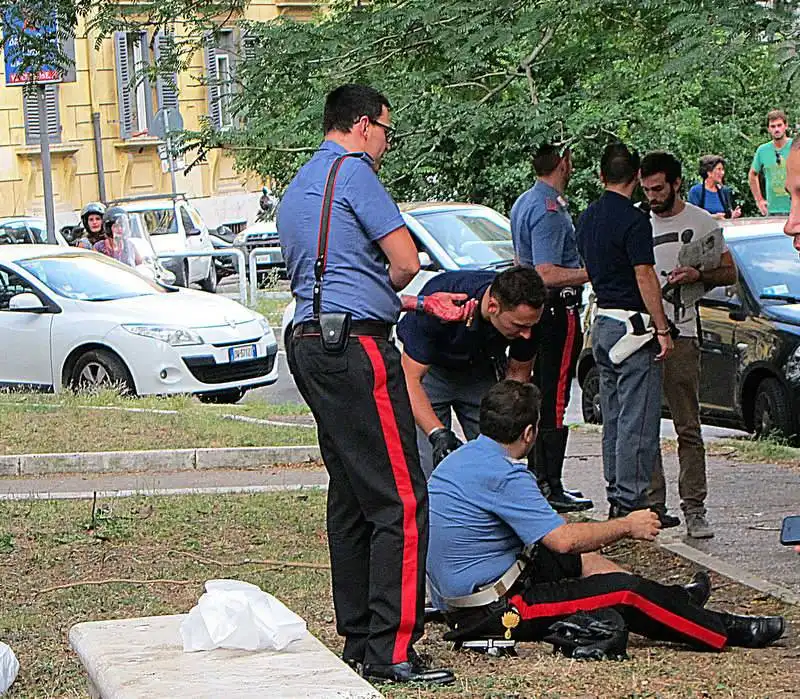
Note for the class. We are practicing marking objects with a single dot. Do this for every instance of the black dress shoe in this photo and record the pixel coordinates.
(574, 493)
(616, 511)
(564, 502)
(667, 520)
(699, 589)
(413, 670)
(752, 631)
(353, 664)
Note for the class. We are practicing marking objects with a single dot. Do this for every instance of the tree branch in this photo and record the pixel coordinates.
(252, 561)
(109, 581)
(543, 42)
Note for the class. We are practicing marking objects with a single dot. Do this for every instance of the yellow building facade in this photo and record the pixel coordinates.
(131, 163)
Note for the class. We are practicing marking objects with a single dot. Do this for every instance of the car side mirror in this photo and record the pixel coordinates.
(425, 261)
(26, 302)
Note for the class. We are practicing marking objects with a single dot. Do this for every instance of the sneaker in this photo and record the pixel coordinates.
(697, 526)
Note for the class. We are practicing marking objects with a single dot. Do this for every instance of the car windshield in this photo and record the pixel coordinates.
(159, 221)
(771, 266)
(19, 232)
(89, 277)
(471, 237)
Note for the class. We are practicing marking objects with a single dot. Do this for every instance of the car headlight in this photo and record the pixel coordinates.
(176, 337)
(266, 328)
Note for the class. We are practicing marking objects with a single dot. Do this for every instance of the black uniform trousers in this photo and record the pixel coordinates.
(551, 589)
(560, 344)
(377, 511)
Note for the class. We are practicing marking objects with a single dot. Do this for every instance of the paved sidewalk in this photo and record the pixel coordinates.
(746, 501)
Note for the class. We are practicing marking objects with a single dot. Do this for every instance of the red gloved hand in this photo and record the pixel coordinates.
(451, 308)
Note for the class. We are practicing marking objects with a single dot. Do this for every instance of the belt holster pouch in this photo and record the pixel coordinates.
(334, 331)
(597, 635)
(476, 622)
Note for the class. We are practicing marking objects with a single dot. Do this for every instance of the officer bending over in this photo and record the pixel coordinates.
(485, 508)
(451, 366)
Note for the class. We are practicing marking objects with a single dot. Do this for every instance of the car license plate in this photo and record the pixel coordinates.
(265, 259)
(237, 354)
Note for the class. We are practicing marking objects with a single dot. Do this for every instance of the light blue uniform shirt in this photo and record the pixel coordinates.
(356, 275)
(542, 229)
(484, 509)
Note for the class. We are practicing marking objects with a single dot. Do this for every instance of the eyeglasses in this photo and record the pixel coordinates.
(778, 157)
(387, 129)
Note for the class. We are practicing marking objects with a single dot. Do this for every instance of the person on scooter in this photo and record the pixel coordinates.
(92, 222)
(116, 242)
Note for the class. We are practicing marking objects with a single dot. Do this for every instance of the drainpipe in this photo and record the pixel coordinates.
(97, 133)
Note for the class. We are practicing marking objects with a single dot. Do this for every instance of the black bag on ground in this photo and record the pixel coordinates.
(596, 635)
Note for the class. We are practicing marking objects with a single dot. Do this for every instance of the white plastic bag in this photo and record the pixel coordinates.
(9, 667)
(236, 614)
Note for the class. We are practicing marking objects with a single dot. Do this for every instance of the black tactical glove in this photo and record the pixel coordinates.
(443, 442)
(597, 635)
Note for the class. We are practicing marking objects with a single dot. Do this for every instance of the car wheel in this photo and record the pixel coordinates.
(209, 284)
(771, 410)
(590, 397)
(182, 274)
(100, 369)
(230, 395)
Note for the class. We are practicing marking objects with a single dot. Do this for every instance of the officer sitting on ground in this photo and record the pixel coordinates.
(485, 508)
(451, 366)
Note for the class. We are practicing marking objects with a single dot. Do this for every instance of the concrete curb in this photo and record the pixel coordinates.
(154, 460)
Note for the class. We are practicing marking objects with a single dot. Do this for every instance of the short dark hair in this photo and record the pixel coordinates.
(619, 165)
(660, 161)
(708, 163)
(508, 408)
(518, 285)
(546, 158)
(777, 115)
(345, 105)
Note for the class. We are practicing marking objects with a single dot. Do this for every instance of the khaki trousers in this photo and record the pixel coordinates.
(682, 391)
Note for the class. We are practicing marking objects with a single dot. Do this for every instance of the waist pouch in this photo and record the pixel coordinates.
(334, 331)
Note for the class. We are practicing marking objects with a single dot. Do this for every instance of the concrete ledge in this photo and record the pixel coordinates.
(154, 461)
(9, 465)
(250, 457)
(135, 658)
(107, 462)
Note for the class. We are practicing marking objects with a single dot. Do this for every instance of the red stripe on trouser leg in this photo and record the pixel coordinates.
(625, 597)
(563, 372)
(402, 479)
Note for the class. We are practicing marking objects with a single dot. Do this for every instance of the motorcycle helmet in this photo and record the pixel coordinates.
(115, 215)
(98, 209)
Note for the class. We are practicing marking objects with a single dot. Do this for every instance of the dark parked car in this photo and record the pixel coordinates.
(749, 338)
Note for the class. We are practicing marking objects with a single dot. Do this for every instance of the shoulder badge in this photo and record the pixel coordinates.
(551, 205)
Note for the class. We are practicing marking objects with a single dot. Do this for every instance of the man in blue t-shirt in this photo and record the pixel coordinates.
(486, 508)
(451, 366)
(616, 242)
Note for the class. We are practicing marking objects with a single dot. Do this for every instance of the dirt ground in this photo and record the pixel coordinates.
(187, 540)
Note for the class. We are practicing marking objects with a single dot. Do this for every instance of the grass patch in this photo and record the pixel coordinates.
(148, 538)
(67, 422)
(273, 310)
(772, 450)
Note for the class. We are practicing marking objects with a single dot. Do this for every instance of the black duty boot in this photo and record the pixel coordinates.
(554, 446)
(667, 520)
(752, 631)
(413, 670)
(699, 589)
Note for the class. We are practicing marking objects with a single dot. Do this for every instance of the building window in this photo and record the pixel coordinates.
(133, 85)
(220, 74)
(30, 104)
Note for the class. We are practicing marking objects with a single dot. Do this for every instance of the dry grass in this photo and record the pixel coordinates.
(47, 543)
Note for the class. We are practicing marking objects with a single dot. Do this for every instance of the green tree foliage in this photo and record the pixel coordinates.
(476, 83)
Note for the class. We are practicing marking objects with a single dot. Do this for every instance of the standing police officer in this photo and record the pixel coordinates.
(338, 228)
(544, 237)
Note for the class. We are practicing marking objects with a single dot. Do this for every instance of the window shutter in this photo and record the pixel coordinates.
(31, 110)
(248, 45)
(212, 82)
(148, 92)
(166, 84)
(124, 86)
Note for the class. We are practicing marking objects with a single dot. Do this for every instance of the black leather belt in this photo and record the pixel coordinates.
(564, 296)
(370, 328)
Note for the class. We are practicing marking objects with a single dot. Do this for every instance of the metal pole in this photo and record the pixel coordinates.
(98, 156)
(47, 174)
(170, 162)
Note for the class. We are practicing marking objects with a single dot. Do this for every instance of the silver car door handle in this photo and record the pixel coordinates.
(712, 350)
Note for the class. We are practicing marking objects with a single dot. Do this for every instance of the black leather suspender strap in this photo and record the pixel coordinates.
(324, 228)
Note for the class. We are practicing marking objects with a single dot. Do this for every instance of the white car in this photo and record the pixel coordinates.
(449, 237)
(71, 318)
(175, 225)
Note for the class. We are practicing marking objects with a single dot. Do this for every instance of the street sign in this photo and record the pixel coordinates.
(166, 121)
(17, 73)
